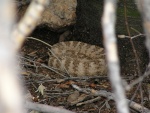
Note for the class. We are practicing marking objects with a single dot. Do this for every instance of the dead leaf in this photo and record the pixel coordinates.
(93, 91)
(79, 99)
(73, 96)
(63, 86)
(32, 53)
(93, 85)
(70, 82)
(41, 89)
(60, 80)
(39, 60)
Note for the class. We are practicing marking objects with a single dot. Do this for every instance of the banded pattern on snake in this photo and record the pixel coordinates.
(78, 58)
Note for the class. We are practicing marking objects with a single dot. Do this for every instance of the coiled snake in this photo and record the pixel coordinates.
(78, 58)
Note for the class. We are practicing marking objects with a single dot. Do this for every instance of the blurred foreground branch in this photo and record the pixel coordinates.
(29, 21)
(11, 90)
(10, 86)
(108, 24)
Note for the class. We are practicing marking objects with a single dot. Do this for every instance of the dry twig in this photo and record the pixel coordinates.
(134, 51)
(111, 96)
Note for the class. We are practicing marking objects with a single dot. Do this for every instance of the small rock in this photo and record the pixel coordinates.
(58, 14)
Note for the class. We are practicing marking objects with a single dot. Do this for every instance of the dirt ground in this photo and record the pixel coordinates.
(52, 88)
(58, 90)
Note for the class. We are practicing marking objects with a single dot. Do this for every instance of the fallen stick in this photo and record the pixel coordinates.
(110, 96)
(132, 104)
(45, 108)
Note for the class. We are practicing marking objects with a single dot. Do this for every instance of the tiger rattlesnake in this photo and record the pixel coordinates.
(78, 58)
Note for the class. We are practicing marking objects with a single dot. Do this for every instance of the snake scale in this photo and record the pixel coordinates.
(78, 58)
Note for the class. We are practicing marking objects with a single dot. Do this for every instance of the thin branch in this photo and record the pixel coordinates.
(134, 51)
(135, 30)
(140, 79)
(132, 44)
(132, 104)
(89, 101)
(32, 38)
(124, 36)
(43, 65)
(51, 52)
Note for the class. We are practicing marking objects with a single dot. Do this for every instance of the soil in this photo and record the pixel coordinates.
(59, 89)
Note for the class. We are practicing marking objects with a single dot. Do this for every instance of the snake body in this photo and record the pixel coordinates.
(78, 58)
